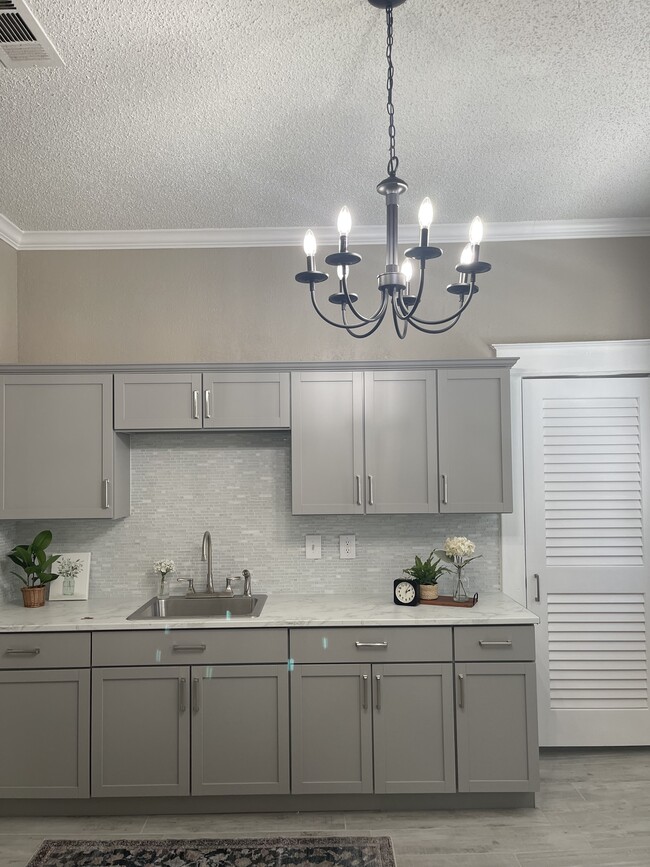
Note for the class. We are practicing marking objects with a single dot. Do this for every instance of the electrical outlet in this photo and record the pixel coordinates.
(347, 547)
(313, 547)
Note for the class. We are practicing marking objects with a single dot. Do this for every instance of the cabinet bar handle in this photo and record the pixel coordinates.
(196, 698)
(358, 478)
(461, 690)
(371, 643)
(536, 577)
(208, 414)
(106, 483)
(507, 643)
(445, 489)
(378, 696)
(193, 648)
(195, 403)
(364, 679)
(182, 683)
(371, 498)
(19, 651)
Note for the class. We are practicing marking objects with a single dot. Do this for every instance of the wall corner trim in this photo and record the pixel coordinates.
(10, 233)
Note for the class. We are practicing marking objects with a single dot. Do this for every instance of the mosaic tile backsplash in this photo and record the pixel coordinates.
(238, 486)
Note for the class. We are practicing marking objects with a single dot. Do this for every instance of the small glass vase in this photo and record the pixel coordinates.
(163, 592)
(459, 590)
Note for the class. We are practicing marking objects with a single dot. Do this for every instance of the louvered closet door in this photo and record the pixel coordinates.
(587, 477)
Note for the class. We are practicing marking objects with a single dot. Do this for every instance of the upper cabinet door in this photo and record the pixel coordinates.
(401, 442)
(246, 400)
(474, 446)
(158, 401)
(327, 443)
(60, 457)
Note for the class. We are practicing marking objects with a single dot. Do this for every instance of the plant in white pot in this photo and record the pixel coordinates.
(36, 565)
(427, 573)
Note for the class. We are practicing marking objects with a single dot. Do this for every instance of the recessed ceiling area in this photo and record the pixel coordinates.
(172, 116)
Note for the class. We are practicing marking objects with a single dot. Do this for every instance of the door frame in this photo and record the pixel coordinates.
(546, 361)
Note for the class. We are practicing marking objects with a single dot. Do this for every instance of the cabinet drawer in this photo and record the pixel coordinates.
(487, 643)
(371, 644)
(20, 650)
(190, 647)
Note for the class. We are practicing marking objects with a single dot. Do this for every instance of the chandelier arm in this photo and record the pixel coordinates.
(402, 311)
(396, 321)
(435, 330)
(360, 336)
(455, 316)
(365, 320)
(330, 321)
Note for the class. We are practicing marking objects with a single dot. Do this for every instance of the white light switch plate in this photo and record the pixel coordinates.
(347, 547)
(313, 547)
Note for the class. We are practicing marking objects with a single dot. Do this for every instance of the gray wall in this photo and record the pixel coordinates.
(238, 486)
(243, 305)
(8, 303)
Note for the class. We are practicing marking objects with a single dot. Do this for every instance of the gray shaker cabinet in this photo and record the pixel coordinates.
(387, 728)
(363, 442)
(44, 733)
(59, 455)
(219, 400)
(240, 730)
(474, 445)
(140, 731)
(496, 727)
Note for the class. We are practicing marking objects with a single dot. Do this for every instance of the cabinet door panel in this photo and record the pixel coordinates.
(44, 734)
(232, 754)
(331, 729)
(400, 440)
(327, 443)
(247, 400)
(413, 727)
(141, 731)
(56, 442)
(474, 440)
(496, 727)
(158, 401)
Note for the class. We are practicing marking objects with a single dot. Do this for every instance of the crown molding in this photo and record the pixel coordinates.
(170, 239)
(9, 233)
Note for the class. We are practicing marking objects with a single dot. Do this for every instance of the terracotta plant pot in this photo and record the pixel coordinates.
(33, 597)
(428, 591)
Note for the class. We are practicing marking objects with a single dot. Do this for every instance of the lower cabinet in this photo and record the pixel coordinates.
(44, 733)
(496, 727)
(384, 728)
(151, 724)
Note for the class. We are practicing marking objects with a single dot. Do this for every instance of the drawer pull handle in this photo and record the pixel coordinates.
(364, 679)
(371, 496)
(507, 643)
(445, 489)
(106, 485)
(371, 643)
(195, 403)
(192, 648)
(196, 695)
(358, 478)
(208, 413)
(182, 683)
(378, 696)
(536, 577)
(31, 651)
(461, 690)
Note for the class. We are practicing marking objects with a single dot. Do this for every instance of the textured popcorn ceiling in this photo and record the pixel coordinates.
(196, 114)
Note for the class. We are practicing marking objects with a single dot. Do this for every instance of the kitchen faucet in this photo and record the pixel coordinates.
(206, 554)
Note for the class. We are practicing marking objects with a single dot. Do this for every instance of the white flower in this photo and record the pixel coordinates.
(164, 566)
(459, 546)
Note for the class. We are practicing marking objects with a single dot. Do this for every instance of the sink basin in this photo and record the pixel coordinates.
(180, 607)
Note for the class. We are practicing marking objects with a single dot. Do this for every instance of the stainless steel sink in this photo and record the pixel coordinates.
(206, 607)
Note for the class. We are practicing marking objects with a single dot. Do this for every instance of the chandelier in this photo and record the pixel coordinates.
(396, 285)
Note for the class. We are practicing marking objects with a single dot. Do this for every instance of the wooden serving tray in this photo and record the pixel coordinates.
(449, 600)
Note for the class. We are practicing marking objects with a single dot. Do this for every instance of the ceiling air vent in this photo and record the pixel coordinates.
(22, 40)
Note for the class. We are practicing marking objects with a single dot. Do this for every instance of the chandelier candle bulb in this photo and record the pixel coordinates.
(425, 218)
(343, 225)
(407, 271)
(476, 232)
(309, 246)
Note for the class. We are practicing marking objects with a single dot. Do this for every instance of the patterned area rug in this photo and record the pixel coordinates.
(268, 852)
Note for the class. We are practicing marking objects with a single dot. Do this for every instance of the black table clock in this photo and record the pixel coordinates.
(406, 591)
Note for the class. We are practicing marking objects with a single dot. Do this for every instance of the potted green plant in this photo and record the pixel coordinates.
(426, 573)
(36, 565)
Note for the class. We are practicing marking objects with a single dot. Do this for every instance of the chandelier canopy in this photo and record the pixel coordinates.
(396, 283)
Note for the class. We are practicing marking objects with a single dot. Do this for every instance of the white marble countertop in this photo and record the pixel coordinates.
(280, 610)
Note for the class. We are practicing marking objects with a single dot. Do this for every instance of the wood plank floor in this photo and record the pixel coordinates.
(593, 811)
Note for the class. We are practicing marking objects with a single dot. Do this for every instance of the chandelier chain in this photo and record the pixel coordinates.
(393, 161)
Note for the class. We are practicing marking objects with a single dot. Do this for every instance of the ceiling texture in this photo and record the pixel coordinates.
(201, 114)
